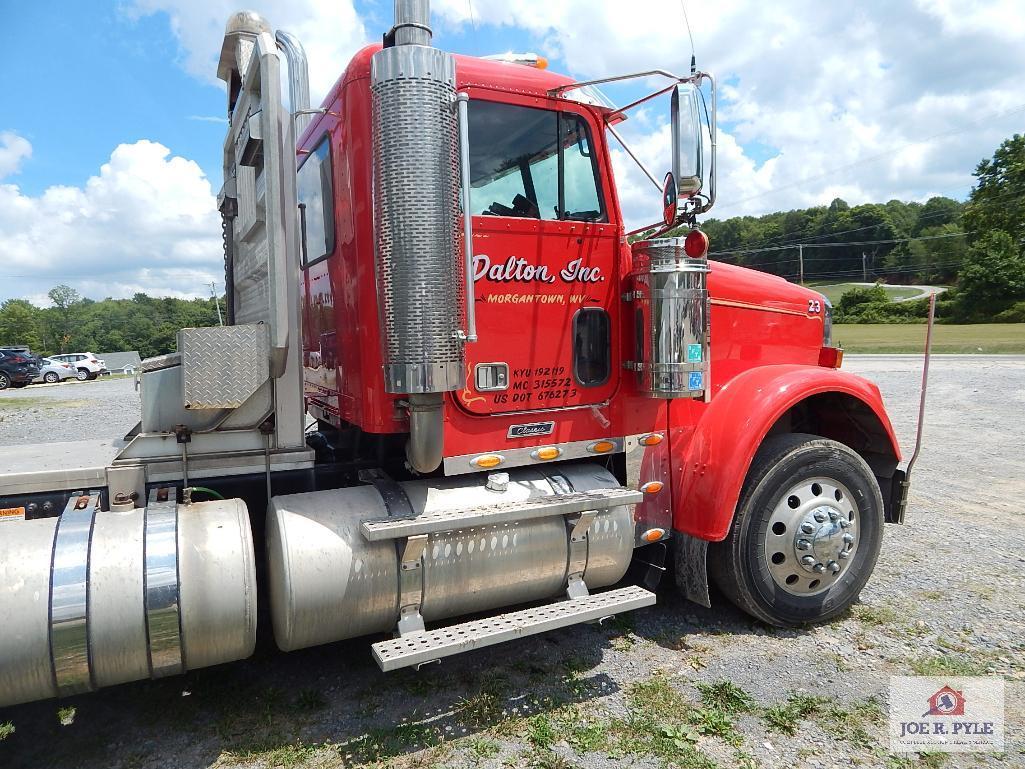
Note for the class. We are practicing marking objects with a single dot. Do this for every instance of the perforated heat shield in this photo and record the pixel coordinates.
(416, 187)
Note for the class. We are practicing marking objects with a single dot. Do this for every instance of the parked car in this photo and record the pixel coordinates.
(86, 364)
(17, 369)
(55, 371)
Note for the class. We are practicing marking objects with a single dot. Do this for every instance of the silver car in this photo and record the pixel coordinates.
(51, 371)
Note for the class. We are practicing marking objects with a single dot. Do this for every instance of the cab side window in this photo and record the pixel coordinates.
(532, 163)
(316, 209)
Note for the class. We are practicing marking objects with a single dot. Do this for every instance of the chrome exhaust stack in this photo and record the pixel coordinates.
(419, 270)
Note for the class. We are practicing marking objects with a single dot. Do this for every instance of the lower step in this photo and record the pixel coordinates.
(444, 642)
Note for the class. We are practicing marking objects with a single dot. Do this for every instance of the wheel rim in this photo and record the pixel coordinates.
(4, 382)
(51, 378)
(82, 375)
(812, 536)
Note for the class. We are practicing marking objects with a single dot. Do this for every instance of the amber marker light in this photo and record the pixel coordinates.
(546, 454)
(653, 535)
(651, 439)
(487, 461)
(601, 447)
(652, 487)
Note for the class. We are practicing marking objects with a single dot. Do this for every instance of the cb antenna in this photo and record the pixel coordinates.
(686, 20)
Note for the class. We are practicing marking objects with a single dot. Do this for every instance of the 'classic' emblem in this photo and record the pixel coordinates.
(530, 430)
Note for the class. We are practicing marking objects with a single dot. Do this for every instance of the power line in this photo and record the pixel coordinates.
(841, 244)
(777, 240)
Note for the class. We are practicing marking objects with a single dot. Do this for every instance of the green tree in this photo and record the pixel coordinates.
(63, 315)
(21, 323)
(992, 276)
(997, 201)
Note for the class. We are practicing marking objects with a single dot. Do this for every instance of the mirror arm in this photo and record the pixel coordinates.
(635, 159)
(616, 79)
(613, 116)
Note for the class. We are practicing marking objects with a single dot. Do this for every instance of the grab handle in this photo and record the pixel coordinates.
(462, 100)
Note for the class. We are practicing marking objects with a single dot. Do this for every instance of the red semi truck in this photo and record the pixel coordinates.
(451, 383)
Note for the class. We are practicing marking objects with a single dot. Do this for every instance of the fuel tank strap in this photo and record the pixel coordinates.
(162, 584)
(409, 550)
(69, 595)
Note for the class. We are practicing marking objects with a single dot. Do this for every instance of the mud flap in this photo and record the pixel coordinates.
(690, 556)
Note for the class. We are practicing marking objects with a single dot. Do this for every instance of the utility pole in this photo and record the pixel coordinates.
(217, 302)
(800, 258)
(864, 268)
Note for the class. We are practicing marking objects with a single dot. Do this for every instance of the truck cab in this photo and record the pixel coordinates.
(452, 382)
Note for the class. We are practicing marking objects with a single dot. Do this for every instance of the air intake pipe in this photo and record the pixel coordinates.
(416, 187)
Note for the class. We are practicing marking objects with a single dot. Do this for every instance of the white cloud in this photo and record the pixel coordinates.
(146, 222)
(330, 31)
(13, 150)
(873, 101)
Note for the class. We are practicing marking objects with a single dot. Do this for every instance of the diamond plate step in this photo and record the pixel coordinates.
(444, 642)
(501, 512)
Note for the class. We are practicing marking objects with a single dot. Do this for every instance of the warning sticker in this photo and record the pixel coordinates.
(12, 513)
(696, 381)
(694, 353)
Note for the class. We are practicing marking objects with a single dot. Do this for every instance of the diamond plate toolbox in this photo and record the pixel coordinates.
(223, 366)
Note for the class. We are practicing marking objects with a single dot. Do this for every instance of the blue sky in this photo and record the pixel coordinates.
(110, 143)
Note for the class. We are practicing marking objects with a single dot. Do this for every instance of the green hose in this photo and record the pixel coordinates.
(211, 492)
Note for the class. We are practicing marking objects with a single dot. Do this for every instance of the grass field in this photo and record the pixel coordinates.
(981, 338)
(834, 291)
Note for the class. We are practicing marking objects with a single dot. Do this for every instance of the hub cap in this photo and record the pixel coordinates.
(812, 536)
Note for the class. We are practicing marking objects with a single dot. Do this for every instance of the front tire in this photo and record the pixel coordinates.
(50, 377)
(806, 534)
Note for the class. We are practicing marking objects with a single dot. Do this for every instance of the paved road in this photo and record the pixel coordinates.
(923, 291)
(948, 595)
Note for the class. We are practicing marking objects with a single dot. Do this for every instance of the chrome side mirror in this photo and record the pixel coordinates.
(688, 140)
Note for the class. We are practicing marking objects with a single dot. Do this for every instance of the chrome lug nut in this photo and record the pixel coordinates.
(848, 538)
(803, 544)
(819, 568)
(820, 517)
(808, 560)
(845, 524)
(834, 516)
(834, 567)
(807, 528)
(844, 554)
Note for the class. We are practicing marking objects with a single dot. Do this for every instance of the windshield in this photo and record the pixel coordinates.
(532, 163)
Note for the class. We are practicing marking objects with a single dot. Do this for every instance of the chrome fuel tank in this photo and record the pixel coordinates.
(327, 582)
(122, 596)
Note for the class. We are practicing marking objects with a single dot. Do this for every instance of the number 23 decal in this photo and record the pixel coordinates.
(814, 306)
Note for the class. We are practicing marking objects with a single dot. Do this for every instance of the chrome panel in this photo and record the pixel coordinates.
(463, 463)
(163, 609)
(670, 299)
(222, 366)
(643, 465)
(69, 596)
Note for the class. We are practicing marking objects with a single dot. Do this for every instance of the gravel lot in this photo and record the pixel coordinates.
(948, 597)
(72, 410)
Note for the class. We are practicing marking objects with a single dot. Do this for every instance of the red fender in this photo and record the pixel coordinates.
(712, 453)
